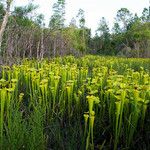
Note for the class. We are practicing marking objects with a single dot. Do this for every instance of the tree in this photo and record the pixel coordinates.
(103, 29)
(140, 38)
(57, 19)
(23, 15)
(40, 20)
(82, 31)
(116, 28)
(81, 18)
(146, 15)
(56, 23)
(104, 36)
(2, 12)
(5, 20)
(23, 32)
(73, 23)
(123, 18)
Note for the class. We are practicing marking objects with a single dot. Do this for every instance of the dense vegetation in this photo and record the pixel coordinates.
(24, 34)
(80, 101)
(90, 102)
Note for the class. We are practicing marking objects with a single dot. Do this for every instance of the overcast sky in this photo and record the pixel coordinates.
(94, 9)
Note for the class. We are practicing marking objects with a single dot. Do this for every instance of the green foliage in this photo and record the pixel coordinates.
(146, 15)
(81, 18)
(23, 17)
(103, 28)
(57, 19)
(103, 37)
(75, 39)
(2, 11)
(90, 102)
(129, 37)
(124, 17)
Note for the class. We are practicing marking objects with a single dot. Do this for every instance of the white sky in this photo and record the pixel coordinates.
(94, 9)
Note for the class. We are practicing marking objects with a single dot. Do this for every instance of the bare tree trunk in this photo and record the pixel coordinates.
(30, 46)
(62, 50)
(24, 54)
(42, 45)
(10, 48)
(38, 48)
(137, 48)
(54, 49)
(147, 51)
(4, 23)
(3, 26)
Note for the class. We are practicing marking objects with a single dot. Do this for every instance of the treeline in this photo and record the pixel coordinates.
(23, 33)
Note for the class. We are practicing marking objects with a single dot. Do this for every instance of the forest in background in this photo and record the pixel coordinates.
(23, 33)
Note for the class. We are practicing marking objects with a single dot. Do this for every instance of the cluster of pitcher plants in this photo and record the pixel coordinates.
(90, 102)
